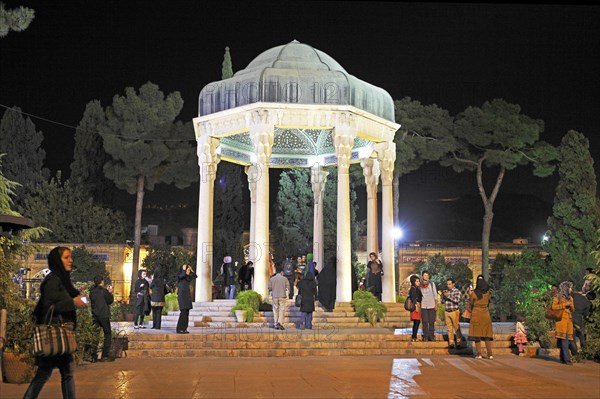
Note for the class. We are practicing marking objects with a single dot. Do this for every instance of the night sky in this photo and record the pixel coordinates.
(542, 57)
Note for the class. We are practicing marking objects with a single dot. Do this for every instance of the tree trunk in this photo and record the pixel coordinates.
(137, 237)
(488, 205)
(485, 242)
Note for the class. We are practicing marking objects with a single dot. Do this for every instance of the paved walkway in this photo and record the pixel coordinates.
(506, 376)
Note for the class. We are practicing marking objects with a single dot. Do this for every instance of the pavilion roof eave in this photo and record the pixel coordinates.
(288, 115)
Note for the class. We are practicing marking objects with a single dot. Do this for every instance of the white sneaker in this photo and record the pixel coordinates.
(491, 357)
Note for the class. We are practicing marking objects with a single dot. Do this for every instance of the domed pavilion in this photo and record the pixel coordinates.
(294, 106)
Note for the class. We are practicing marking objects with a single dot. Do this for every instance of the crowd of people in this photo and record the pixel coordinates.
(302, 278)
(570, 328)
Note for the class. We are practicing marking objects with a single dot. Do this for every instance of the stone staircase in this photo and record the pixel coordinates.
(214, 332)
(218, 314)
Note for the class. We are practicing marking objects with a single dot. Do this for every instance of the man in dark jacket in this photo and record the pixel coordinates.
(582, 310)
(101, 298)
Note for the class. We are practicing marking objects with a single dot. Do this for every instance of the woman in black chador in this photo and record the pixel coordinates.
(327, 288)
(157, 298)
(142, 299)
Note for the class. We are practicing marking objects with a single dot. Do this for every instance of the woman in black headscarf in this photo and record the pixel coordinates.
(57, 290)
(327, 285)
(480, 327)
(307, 288)
(157, 298)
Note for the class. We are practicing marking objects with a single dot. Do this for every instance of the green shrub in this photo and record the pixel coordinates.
(171, 303)
(400, 298)
(249, 301)
(537, 325)
(368, 307)
(87, 334)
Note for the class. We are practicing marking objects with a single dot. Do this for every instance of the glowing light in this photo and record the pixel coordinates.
(398, 233)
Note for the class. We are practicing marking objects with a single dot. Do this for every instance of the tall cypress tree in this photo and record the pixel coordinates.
(294, 222)
(229, 209)
(89, 156)
(22, 143)
(573, 226)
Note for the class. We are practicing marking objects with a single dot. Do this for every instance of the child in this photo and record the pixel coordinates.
(520, 334)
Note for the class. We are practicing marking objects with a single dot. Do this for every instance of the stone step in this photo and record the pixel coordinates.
(289, 352)
(293, 344)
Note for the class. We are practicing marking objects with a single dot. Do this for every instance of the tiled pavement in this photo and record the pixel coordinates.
(507, 376)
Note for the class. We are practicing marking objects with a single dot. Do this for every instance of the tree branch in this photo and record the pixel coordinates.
(498, 184)
(465, 160)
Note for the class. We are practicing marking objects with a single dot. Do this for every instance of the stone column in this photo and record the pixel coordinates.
(386, 153)
(318, 179)
(207, 161)
(371, 173)
(262, 137)
(252, 173)
(343, 140)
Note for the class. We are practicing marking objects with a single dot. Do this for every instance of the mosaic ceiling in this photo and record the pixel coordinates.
(291, 147)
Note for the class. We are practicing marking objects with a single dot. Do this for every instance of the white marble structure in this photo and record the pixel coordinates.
(296, 107)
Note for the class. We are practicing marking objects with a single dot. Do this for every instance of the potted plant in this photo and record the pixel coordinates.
(17, 359)
(249, 302)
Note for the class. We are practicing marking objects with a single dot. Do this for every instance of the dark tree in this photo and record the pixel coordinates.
(147, 147)
(86, 266)
(229, 206)
(71, 215)
(229, 215)
(16, 19)
(89, 157)
(169, 259)
(573, 226)
(497, 138)
(22, 144)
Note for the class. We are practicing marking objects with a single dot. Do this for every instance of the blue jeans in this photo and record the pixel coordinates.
(44, 371)
(565, 354)
(231, 291)
(306, 319)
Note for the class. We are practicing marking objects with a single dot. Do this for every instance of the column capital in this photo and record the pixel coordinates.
(253, 174)
(386, 154)
(262, 138)
(207, 158)
(343, 140)
(371, 172)
(318, 179)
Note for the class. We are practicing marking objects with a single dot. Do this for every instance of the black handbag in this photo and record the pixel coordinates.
(298, 300)
(53, 339)
(409, 305)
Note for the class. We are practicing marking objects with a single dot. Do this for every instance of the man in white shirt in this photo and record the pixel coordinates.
(429, 305)
(279, 287)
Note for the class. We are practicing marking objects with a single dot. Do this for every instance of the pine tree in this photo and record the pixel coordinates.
(17, 19)
(24, 160)
(147, 147)
(573, 226)
(89, 156)
(499, 138)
